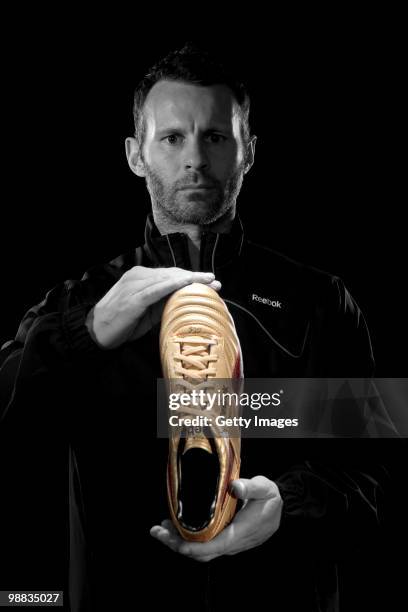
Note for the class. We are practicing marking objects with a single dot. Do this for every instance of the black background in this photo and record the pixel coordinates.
(326, 187)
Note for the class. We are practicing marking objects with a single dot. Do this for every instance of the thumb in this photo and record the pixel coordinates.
(258, 487)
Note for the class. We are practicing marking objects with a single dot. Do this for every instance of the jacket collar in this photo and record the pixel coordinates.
(216, 251)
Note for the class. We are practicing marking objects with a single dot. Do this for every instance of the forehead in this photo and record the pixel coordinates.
(170, 101)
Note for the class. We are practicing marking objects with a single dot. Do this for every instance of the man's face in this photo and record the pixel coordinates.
(193, 152)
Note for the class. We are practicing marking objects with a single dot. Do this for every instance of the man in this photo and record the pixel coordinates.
(87, 359)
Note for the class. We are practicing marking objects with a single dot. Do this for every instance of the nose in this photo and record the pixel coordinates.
(196, 156)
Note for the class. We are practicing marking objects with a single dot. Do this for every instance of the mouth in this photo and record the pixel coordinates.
(196, 187)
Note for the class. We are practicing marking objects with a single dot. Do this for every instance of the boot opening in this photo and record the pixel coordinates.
(199, 471)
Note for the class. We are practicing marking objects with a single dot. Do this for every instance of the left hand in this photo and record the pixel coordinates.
(255, 523)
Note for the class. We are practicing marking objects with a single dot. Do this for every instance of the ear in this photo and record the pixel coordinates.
(133, 156)
(250, 154)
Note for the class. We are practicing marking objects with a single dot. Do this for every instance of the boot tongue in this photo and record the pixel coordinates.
(198, 441)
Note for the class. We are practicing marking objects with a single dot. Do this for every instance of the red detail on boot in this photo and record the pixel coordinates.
(237, 368)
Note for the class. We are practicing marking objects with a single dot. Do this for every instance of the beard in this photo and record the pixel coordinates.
(200, 207)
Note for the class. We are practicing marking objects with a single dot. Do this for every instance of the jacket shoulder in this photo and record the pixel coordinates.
(311, 295)
(290, 274)
(116, 267)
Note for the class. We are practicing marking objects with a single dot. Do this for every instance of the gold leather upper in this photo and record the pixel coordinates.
(198, 345)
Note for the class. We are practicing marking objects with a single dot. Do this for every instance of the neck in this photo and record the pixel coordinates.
(167, 225)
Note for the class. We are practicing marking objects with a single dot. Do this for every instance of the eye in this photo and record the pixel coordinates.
(172, 139)
(216, 138)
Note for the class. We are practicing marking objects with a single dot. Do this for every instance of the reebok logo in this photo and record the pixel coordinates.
(274, 303)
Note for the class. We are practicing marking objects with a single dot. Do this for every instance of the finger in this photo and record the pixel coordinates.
(186, 279)
(152, 294)
(258, 487)
(160, 275)
(220, 545)
(168, 524)
(141, 272)
(166, 537)
(216, 285)
(183, 546)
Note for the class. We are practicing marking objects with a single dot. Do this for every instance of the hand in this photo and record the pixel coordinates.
(255, 523)
(135, 303)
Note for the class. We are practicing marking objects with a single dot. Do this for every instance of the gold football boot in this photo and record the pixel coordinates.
(200, 352)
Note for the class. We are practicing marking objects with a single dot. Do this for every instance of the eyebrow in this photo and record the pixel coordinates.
(214, 128)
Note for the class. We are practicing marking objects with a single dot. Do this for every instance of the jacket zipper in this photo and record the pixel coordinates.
(171, 250)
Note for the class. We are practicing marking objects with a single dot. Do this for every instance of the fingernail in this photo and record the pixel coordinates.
(238, 489)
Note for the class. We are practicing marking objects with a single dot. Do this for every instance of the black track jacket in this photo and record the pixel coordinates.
(74, 413)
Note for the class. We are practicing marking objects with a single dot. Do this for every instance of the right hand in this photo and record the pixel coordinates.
(135, 303)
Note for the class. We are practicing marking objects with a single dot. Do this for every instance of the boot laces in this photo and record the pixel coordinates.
(196, 364)
(195, 358)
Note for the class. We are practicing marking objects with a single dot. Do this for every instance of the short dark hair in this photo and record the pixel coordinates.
(191, 64)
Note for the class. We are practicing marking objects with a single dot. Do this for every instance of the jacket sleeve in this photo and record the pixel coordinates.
(336, 500)
(52, 341)
(342, 339)
(41, 371)
(334, 493)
